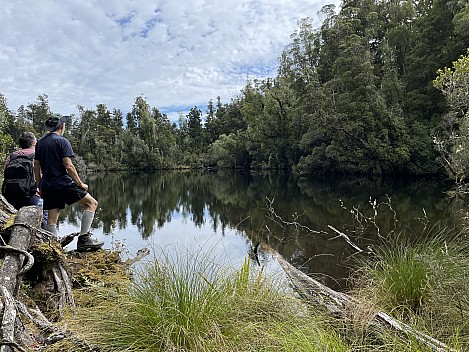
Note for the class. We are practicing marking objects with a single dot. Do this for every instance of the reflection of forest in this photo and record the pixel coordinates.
(238, 200)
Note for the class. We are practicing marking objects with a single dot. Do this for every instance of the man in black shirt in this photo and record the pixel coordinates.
(59, 183)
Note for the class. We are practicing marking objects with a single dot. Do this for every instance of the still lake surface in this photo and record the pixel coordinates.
(227, 213)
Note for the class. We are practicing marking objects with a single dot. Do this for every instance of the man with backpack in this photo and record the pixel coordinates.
(19, 186)
(59, 182)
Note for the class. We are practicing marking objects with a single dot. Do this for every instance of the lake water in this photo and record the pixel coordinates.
(227, 213)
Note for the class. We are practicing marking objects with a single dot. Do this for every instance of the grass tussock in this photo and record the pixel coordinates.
(191, 302)
(423, 282)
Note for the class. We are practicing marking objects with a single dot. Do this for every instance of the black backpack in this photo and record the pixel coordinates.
(18, 179)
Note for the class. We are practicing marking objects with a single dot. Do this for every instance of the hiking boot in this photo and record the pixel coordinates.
(86, 244)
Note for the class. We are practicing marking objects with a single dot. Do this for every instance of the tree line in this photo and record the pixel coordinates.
(371, 91)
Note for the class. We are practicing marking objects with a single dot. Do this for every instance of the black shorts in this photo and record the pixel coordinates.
(57, 198)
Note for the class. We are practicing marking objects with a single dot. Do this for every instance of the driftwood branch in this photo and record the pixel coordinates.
(36, 316)
(8, 320)
(61, 289)
(67, 285)
(338, 304)
(6, 206)
(141, 253)
(29, 259)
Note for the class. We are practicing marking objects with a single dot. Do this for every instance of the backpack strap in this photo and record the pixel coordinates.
(15, 155)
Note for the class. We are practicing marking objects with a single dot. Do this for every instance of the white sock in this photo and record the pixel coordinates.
(86, 220)
(52, 228)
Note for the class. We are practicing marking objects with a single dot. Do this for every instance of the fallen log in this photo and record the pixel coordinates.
(12, 271)
(339, 304)
(20, 240)
(25, 236)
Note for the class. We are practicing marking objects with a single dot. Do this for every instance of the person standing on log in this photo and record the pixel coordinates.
(59, 182)
(19, 187)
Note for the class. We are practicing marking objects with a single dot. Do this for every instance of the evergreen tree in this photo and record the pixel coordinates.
(194, 127)
(211, 132)
(38, 112)
(86, 133)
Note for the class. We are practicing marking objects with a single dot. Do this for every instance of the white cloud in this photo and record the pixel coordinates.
(176, 53)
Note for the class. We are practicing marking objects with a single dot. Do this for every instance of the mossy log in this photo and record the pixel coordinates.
(35, 286)
(341, 305)
(12, 270)
(24, 236)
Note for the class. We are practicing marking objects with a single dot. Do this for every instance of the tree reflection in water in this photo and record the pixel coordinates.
(180, 207)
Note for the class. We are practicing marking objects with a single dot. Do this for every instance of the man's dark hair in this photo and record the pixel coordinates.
(27, 139)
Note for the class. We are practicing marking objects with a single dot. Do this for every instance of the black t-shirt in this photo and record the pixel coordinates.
(50, 151)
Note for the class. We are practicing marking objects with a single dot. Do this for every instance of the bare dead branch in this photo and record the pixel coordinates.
(346, 238)
(67, 285)
(279, 220)
(8, 319)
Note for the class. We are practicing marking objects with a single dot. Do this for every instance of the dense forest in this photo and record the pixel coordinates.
(381, 87)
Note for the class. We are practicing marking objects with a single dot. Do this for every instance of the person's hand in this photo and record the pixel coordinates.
(38, 190)
(84, 186)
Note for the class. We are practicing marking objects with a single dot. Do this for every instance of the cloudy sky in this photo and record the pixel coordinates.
(177, 54)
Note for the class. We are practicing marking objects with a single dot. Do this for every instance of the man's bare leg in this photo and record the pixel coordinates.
(90, 205)
(53, 215)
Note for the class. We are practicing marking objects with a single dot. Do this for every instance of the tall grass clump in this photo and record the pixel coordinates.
(422, 281)
(193, 302)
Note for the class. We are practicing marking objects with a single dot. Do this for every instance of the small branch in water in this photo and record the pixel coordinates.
(142, 253)
(278, 219)
(239, 223)
(345, 237)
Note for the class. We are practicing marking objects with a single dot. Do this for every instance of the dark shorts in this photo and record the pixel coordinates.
(57, 198)
(23, 202)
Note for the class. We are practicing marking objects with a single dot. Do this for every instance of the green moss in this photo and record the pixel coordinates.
(48, 253)
(101, 268)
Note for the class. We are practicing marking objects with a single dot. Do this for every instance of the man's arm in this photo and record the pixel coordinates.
(37, 172)
(72, 172)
